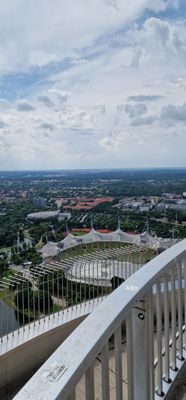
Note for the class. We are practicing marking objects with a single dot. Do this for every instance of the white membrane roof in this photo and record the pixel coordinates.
(51, 249)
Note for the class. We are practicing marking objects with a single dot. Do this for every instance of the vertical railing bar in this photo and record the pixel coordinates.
(129, 269)
(73, 395)
(118, 270)
(93, 283)
(58, 297)
(151, 342)
(1, 323)
(44, 295)
(180, 315)
(67, 288)
(80, 281)
(132, 263)
(173, 320)
(34, 304)
(23, 306)
(136, 261)
(185, 302)
(48, 295)
(76, 284)
(159, 337)
(63, 302)
(89, 281)
(106, 283)
(118, 362)
(7, 330)
(71, 288)
(166, 328)
(130, 372)
(53, 294)
(17, 304)
(114, 274)
(97, 280)
(102, 282)
(11, 290)
(89, 383)
(38, 282)
(129, 265)
(105, 373)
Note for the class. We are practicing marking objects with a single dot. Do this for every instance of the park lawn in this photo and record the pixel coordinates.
(27, 235)
(5, 274)
(8, 297)
(5, 294)
(39, 245)
(5, 249)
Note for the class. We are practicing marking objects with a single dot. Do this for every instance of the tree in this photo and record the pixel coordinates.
(24, 246)
(16, 259)
(21, 235)
(3, 265)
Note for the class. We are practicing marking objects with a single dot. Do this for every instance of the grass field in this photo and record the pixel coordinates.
(87, 249)
(90, 248)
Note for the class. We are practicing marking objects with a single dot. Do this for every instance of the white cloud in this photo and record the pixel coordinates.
(47, 126)
(124, 86)
(33, 35)
(174, 114)
(143, 98)
(110, 141)
(135, 110)
(61, 95)
(24, 105)
(161, 5)
(45, 99)
(143, 121)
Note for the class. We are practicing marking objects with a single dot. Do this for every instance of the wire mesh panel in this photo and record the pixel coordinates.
(50, 288)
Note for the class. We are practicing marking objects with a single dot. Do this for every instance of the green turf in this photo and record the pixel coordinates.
(135, 256)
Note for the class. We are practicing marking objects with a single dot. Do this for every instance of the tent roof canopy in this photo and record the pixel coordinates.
(94, 236)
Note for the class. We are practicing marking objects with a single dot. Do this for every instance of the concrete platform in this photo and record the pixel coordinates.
(24, 351)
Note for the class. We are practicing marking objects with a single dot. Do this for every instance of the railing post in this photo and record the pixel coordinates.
(89, 383)
(141, 351)
(105, 373)
(118, 361)
(129, 331)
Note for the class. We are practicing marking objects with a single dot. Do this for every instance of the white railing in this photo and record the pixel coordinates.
(144, 358)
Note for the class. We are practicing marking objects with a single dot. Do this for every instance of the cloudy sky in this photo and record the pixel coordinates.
(92, 84)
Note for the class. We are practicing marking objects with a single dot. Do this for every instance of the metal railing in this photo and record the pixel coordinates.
(131, 347)
(54, 286)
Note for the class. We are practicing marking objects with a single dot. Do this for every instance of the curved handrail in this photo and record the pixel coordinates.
(63, 370)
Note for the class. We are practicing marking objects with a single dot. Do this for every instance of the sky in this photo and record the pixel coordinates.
(92, 84)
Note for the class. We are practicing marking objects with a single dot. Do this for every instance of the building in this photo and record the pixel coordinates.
(39, 202)
(43, 215)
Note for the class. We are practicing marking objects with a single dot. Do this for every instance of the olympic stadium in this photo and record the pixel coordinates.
(95, 258)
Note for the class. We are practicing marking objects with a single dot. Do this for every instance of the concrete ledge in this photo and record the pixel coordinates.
(24, 351)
